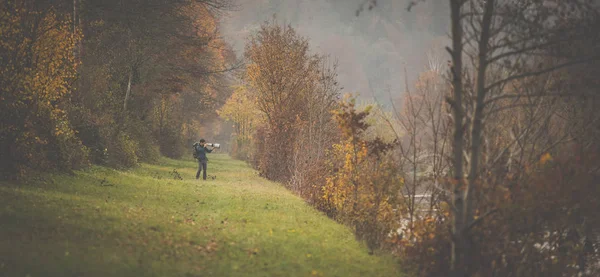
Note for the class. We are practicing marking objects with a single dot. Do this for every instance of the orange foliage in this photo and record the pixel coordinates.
(362, 183)
(38, 67)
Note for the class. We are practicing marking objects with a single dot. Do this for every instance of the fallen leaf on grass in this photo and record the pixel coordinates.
(211, 247)
(190, 221)
(252, 251)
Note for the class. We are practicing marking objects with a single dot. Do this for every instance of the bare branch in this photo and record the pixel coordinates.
(480, 219)
(540, 72)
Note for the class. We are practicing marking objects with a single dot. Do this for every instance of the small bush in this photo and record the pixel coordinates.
(425, 246)
(172, 143)
(148, 152)
(68, 152)
(122, 152)
(92, 138)
(241, 149)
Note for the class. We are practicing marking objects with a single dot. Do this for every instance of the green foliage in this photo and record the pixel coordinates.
(122, 151)
(172, 143)
(148, 152)
(148, 149)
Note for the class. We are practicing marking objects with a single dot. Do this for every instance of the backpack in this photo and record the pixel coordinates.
(195, 151)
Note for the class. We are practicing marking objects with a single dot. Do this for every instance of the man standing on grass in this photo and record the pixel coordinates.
(200, 151)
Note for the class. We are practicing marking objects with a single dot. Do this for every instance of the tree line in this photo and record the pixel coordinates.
(107, 82)
(488, 164)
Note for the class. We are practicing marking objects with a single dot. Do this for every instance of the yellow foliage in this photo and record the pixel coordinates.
(361, 188)
(241, 109)
(545, 158)
(35, 79)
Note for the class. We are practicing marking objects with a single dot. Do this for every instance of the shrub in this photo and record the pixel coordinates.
(363, 182)
(424, 247)
(122, 151)
(241, 148)
(172, 143)
(148, 151)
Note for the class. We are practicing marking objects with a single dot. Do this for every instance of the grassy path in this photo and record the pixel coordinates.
(144, 222)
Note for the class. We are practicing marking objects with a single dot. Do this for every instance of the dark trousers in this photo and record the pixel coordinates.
(201, 168)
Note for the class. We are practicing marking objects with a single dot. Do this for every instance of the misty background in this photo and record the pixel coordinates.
(372, 49)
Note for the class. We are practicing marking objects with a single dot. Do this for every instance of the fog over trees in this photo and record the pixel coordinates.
(372, 49)
(458, 138)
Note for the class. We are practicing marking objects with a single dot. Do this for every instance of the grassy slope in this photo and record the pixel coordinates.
(143, 222)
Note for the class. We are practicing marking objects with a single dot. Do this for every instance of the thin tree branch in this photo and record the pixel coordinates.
(540, 72)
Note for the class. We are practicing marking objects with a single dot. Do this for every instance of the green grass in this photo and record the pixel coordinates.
(144, 222)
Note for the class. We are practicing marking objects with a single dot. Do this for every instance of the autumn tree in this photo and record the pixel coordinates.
(503, 41)
(240, 109)
(128, 80)
(424, 130)
(507, 101)
(293, 89)
(362, 179)
(38, 70)
(316, 134)
(504, 44)
(163, 64)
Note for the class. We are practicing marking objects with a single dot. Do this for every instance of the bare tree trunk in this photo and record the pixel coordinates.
(128, 92)
(458, 219)
(476, 127)
(161, 121)
(123, 118)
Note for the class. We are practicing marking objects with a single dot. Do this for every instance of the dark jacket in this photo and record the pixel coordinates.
(201, 152)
